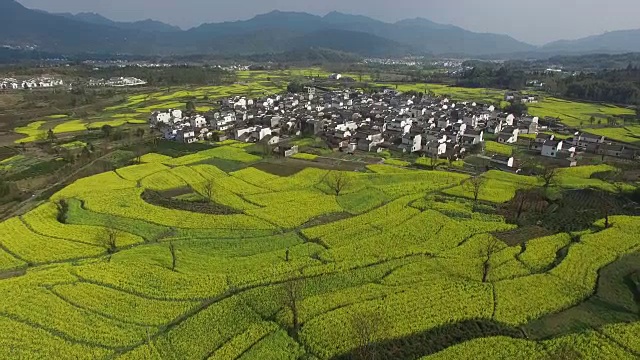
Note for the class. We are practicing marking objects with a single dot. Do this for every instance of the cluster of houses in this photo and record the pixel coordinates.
(40, 82)
(117, 82)
(518, 97)
(352, 121)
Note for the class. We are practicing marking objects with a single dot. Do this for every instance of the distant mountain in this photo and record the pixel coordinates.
(22, 26)
(611, 42)
(352, 41)
(421, 35)
(273, 32)
(143, 25)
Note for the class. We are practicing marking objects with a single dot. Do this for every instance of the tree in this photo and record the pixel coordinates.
(109, 240)
(337, 181)
(295, 87)
(107, 130)
(292, 296)
(592, 120)
(208, 188)
(174, 257)
(140, 132)
(139, 151)
(51, 136)
(191, 106)
(433, 161)
(367, 328)
(516, 108)
(487, 251)
(474, 185)
(548, 174)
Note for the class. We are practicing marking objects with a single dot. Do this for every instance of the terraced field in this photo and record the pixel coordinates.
(295, 271)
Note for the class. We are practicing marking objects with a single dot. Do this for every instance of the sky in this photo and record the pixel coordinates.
(534, 21)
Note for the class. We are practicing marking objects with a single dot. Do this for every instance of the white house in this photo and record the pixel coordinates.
(473, 137)
(551, 148)
(508, 135)
(503, 160)
(186, 136)
(176, 114)
(160, 118)
(471, 121)
(399, 125)
(435, 148)
(586, 139)
(198, 121)
(224, 121)
(412, 143)
(444, 122)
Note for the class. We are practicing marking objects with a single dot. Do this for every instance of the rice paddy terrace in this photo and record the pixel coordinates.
(283, 268)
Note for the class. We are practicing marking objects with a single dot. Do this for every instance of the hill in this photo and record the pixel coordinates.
(609, 42)
(143, 25)
(276, 31)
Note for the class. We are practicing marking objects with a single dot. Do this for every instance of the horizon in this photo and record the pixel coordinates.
(162, 11)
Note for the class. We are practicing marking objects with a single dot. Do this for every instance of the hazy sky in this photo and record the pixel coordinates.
(533, 21)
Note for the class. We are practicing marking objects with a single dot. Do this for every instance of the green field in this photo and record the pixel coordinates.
(491, 96)
(492, 147)
(628, 134)
(97, 271)
(575, 114)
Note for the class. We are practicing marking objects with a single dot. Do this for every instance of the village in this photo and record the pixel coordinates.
(352, 121)
(31, 83)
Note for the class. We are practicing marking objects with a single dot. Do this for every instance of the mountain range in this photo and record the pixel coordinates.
(275, 32)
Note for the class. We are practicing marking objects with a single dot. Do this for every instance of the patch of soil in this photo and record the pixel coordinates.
(575, 210)
(522, 234)
(205, 207)
(327, 218)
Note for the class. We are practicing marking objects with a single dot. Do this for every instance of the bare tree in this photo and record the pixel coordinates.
(367, 327)
(139, 151)
(174, 256)
(525, 198)
(337, 181)
(433, 161)
(292, 296)
(607, 206)
(209, 185)
(475, 185)
(109, 240)
(487, 251)
(548, 175)
(616, 179)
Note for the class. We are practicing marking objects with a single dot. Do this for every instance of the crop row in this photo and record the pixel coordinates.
(127, 203)
(21, 341)
(122, 306)
(416, 310)
(38, 249)
(43, 219)
(541, 252)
